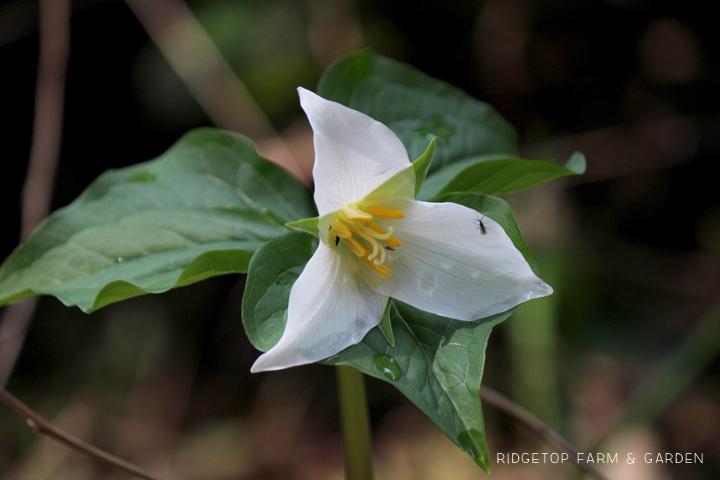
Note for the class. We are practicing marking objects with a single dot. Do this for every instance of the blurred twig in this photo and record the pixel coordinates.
(191, 52)
(44, 153)
(532, 423)
(44, 427)
(48, 458)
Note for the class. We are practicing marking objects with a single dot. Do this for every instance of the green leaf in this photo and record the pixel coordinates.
(386, 325)
(422, 164)
(436, 181)
(197, 211)
(417, 108)
(309, 225)
(508, 175)
(437, 363)
(498, 210)
(272, 273)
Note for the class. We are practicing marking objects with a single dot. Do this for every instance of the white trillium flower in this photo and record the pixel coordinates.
(377, 242)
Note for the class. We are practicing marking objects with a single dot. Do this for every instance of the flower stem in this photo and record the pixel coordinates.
(355, 423)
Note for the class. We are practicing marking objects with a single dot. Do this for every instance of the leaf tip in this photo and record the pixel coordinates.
(422, 165)
(473, 442)
(308, 225)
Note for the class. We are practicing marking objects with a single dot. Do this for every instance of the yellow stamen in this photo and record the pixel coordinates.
(383, 212)
(392, 241)
(339, 229)
(374, 227)
(352, 225)
(356, 215)
(381, 270)
(355, 247)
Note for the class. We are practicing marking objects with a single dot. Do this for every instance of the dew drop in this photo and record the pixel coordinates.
(347, 279)
(264, 210)
(142, 176)
(388, 366)
(120, 260)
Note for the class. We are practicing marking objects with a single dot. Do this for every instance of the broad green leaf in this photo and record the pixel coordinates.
(506, 175)
(498, 210)
(198, 210)
(437, 363)
(417, 108)
(272, 273)
(422, 165)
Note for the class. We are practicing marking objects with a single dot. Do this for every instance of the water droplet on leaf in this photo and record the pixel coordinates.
(388, 366)
(142, 176)
(120, 260)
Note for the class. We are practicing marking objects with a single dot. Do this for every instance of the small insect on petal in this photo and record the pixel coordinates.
(481, 226)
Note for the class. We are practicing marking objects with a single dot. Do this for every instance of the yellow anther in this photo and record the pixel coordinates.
(374, 227)
(339, 229)
(381, 270)
(392, 241)
(356, 215)
(384, 212)
(355, 247)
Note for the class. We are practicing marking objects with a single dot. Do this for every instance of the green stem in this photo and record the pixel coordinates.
(355, 423)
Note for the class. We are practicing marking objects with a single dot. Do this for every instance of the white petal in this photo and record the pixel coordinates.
(446, 266)
(354, 154)
(330, 309)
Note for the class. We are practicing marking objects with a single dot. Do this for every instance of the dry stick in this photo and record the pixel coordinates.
(532, 423)
(43, 427)
(191, 52)
(44, 153)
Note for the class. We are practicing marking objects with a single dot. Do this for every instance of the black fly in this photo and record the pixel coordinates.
(481, 226)
(389, 248)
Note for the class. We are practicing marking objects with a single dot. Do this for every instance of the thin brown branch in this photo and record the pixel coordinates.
(44, 153)
(49, 103)
(191, 52)
(43, 427)
(536, 426)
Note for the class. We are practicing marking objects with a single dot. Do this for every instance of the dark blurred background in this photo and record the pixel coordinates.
(622, 358)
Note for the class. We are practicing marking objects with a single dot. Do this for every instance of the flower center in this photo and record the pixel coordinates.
(355, 226)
